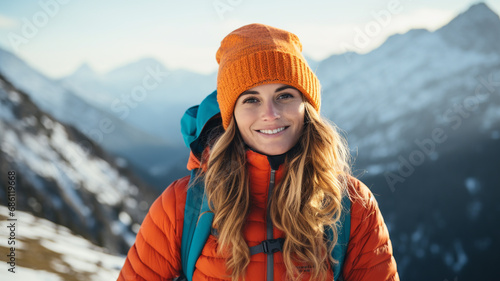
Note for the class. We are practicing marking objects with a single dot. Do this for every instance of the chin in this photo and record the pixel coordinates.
(274, 151)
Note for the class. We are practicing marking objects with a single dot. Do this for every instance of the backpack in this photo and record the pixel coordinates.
(197, 215)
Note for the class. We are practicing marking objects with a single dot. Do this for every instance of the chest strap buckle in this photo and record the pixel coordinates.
(269, 246)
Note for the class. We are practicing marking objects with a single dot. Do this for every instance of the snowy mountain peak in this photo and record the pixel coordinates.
(480, 12)
(83, 73)
(476, 29)
(85, 70)
(398, 39)
(135, 69)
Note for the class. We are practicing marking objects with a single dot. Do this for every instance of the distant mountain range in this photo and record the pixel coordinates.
(144, 93)
(421, 114)
(151, 156)
(65, 177)
(388, 99)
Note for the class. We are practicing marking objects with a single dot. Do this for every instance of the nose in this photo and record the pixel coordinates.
(270, 111)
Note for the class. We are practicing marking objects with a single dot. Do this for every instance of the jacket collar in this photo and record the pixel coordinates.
(259, 172)
(253, 158)
(263, 161)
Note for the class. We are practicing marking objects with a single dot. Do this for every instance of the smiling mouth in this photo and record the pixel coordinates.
(272, 132)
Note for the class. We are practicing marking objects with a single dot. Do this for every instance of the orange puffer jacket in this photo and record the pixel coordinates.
(156, 254)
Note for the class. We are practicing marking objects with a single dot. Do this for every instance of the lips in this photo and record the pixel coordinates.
(272, 132)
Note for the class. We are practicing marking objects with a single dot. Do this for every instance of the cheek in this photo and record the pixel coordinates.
(297, 113)
(243, 123)
(243, 119)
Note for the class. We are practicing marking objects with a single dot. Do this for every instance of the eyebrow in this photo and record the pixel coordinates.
(277, 90)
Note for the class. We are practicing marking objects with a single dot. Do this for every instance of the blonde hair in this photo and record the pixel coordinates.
(303, 205)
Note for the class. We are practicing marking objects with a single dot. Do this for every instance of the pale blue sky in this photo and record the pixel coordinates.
(56, 36)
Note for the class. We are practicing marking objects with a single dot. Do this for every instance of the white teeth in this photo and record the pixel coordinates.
(271, 132)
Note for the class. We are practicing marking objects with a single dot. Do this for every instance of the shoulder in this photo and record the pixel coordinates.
(362, 199)
(175, 193)
(369, 254)
(156, 252)
(169, 206)
(173, 198)
(365, 211)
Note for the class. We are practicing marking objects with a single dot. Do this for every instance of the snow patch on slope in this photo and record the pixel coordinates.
(68, 253)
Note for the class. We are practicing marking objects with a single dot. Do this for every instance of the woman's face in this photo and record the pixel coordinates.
(270, 117)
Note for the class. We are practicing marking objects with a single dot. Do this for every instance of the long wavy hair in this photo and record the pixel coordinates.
(303, 205)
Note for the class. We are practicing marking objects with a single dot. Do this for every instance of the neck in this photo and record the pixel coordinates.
(274, 160)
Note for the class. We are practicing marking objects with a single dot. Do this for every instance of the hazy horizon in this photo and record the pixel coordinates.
(56, 37)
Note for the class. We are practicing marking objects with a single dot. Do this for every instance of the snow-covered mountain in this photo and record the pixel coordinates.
(143, 93)
(388, 99)
(464, 30)
(86, 78)
(66, 177)
(152, 157)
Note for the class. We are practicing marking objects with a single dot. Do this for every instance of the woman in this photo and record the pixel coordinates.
(277, 170)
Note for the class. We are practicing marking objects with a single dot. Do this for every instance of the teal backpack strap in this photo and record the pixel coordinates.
(197, 224)
(343, 231)
(197, 216)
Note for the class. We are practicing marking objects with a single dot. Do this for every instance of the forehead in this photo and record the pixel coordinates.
(268, 88)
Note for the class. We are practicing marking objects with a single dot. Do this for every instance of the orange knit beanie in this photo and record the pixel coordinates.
(258, 54)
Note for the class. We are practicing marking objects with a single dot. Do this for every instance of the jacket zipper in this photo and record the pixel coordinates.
(269, 226)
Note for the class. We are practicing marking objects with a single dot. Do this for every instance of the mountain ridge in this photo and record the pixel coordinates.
(113, 132)
(66, 177)
(462, 31)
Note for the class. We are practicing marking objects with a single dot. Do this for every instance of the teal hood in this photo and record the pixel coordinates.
(194, 122)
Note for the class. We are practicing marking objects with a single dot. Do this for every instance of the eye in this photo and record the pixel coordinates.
(285, 96)
(250, 100)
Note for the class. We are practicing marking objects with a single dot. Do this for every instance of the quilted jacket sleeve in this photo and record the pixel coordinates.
(156, 253)
(369, 254)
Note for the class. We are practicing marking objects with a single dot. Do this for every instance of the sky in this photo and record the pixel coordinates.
(57, 36)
